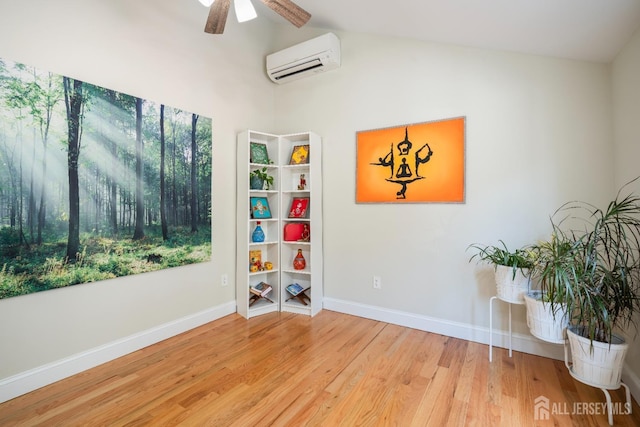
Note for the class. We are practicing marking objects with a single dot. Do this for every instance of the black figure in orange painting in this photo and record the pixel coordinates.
(401, 165)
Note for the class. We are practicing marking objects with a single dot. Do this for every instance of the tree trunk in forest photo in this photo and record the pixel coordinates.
(163, 214)
(194, 188)
(139, 231)
(73, 101)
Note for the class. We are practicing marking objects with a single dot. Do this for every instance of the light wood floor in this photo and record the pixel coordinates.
(331, 370)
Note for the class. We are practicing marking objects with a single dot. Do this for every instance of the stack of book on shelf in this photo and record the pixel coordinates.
(298, 292)
(294, 289)
(262, 289)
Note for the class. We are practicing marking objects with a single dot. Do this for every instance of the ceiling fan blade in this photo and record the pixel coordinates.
(217, 17)
(289, 11)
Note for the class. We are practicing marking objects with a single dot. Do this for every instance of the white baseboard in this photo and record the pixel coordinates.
(524, 343)
(33, 379)
(520, 342)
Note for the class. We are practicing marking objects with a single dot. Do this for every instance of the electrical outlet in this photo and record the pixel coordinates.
(224, 280)
(377, 282)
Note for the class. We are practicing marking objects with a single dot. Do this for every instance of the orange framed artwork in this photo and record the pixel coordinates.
(416, 163)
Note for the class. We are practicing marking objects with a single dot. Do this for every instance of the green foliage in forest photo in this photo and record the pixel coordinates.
(45, 266)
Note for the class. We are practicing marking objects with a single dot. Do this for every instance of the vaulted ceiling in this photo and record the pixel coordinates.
(593, 30)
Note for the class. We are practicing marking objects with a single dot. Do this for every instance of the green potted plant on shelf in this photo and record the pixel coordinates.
(554, 269)
(259, 179)
(512, 269)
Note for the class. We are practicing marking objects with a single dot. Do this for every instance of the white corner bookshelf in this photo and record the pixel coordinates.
(300, 182)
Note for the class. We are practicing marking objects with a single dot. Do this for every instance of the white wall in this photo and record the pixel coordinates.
(626, 111)
(538, 134)
(156, 50)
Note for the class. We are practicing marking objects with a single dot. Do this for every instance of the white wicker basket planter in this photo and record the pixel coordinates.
(541, 321)
(509, 288)
(596, 364)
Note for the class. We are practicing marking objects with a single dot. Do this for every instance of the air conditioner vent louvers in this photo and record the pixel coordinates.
(301, 68)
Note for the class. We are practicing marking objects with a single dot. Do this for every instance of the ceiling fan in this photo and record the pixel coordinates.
(219, 10)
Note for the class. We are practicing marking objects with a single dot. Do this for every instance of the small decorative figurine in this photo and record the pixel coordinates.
(305, 236)
(303, 182)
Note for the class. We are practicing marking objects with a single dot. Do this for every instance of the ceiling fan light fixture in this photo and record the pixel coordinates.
(219, 11)
(244, 10)
(206, 3)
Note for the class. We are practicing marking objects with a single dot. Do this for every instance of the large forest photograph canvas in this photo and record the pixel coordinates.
(96, 184)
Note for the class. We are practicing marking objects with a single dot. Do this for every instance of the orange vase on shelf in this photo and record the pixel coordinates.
(299, 262)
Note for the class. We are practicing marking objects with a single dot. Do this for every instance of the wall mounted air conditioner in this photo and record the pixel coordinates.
(307, 58)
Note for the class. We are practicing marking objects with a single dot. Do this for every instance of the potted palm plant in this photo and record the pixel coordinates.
(511, 269)
(605, 295)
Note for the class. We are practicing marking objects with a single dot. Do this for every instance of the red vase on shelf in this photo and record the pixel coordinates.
(299, 262)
